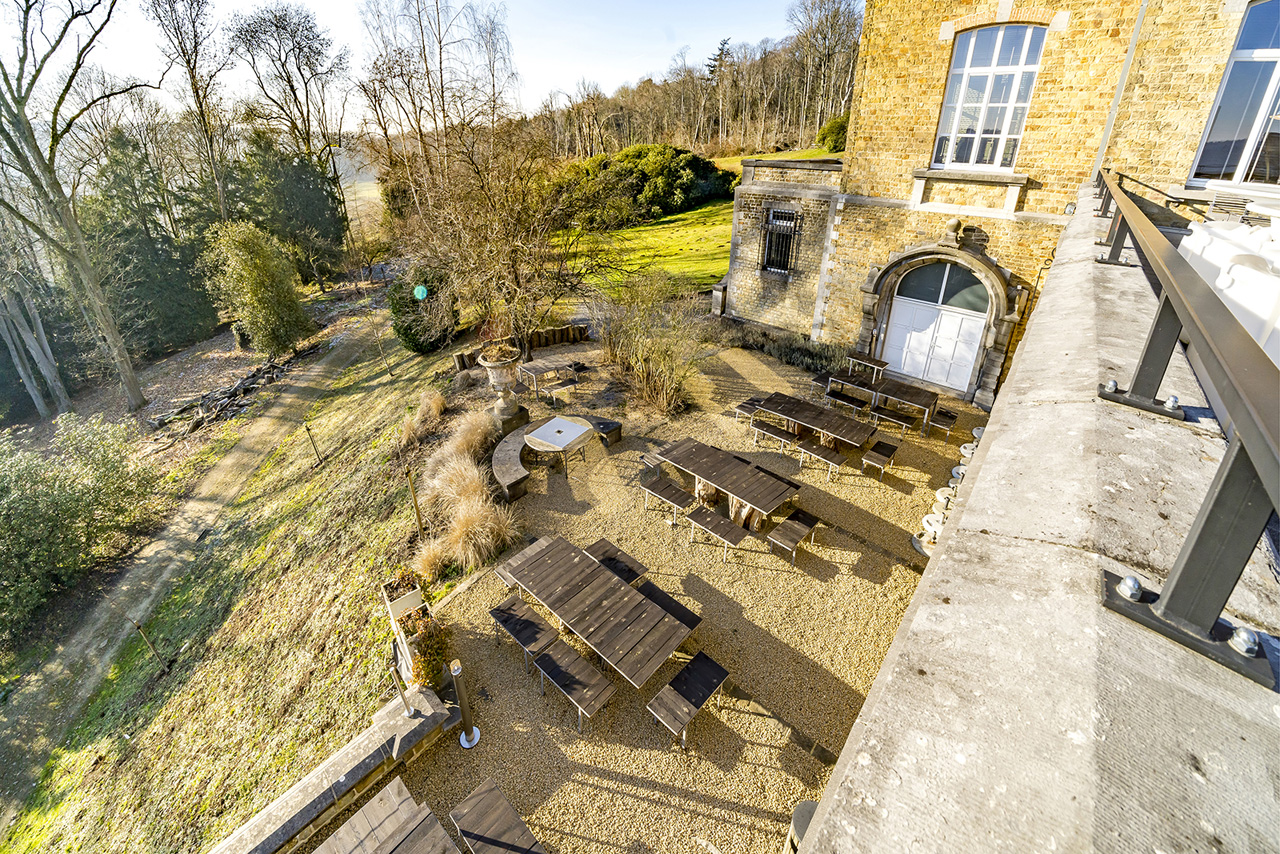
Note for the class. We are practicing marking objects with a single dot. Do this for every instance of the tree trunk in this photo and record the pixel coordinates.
(24, 370)
(31, 334)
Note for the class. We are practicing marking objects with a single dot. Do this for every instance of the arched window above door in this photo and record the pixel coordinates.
(946, 284)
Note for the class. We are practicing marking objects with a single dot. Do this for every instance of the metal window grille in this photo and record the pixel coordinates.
(781, 240)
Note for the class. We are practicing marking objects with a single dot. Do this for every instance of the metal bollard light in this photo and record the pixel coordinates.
(470, 733)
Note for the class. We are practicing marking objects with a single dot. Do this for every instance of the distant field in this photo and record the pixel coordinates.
(734, 164)
(693, 244)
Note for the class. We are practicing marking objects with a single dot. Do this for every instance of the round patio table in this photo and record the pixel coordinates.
(562, 435)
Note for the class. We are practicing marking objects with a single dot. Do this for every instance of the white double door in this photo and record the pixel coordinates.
(933, 342)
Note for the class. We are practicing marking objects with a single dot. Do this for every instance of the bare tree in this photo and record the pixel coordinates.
(190, 43)
(295, 71)
(21, 325)
(47, 34)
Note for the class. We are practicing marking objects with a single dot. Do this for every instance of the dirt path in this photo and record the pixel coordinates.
(39, 713)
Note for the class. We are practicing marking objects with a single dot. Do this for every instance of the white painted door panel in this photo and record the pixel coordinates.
(934, 343)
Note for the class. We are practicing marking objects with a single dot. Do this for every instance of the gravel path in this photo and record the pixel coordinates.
(803, 643)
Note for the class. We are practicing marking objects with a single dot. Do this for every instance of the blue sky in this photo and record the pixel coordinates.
(555, 43)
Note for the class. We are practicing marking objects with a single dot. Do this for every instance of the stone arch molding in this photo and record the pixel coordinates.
(1007, 12)
(1001, 312)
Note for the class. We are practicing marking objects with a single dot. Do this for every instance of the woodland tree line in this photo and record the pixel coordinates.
(109, 195)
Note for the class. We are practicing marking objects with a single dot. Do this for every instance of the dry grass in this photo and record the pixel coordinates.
(480, 530)
(418, 426)
(457, 479)
(473, 434)
(431, 559)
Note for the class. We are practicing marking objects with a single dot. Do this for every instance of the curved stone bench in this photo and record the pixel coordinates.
(508, 461)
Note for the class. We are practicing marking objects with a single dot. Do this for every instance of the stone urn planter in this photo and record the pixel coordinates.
(500, 360)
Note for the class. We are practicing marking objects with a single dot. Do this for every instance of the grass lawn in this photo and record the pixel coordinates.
(734, 164)
(693, 245)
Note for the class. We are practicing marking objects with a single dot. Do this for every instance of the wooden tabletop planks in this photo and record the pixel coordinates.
(817, 418)
(488, 824)
(624, 627)
(728, 473)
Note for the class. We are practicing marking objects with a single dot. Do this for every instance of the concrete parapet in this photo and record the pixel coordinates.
(1015, 713)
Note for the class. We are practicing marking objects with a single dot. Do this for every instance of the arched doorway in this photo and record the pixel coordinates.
(937, 325)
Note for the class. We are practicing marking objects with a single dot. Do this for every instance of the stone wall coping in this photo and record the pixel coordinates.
(341, 777)
(829, 164)
(972, 177)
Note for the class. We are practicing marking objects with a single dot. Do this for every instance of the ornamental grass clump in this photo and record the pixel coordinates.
(457, 495)
(423, 421)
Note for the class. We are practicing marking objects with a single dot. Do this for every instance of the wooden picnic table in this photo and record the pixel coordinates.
(825, 421)
(625, 628)
(488, 824)
(738, 478)
(911, 395)
(877, 366)
(390, 823)
(536, 369)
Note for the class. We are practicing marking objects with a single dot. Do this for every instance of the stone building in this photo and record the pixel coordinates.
(974, 124)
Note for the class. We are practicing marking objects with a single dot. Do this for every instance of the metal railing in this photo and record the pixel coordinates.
(1246, 488)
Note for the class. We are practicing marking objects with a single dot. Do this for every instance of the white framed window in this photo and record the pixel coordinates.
(1242, 141)
(781, 239)
(993, 71)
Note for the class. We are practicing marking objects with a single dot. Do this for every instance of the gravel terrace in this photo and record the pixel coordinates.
(802, 644)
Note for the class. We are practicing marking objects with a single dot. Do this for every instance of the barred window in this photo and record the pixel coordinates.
(781, 239)
(993, 71)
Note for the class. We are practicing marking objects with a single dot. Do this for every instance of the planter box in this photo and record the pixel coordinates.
(395, 607)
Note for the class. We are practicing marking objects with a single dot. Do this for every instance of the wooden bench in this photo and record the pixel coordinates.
(748, 407)
(609, 431)
(518, 619)
(616, 560)
(666, 490)
(819, 384)
(884, 413)
(782, 434)
(717, 526)
(508, 463)
(845, 399)
(390, 823)
(833, 458)
(792, 531)
(559, 391)
(880, 456)
(668, 603)
(943, 419)
(488, 824)
(691, 689)
(587, 688)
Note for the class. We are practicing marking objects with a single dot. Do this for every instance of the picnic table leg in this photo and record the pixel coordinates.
(673, 515)
(684, 745)
(542, 680)
(579, 721)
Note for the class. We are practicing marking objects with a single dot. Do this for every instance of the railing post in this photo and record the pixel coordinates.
(1221, 540)
(1104, 209)
(1152, 365)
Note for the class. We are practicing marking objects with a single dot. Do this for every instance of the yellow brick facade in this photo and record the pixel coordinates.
(890, 202)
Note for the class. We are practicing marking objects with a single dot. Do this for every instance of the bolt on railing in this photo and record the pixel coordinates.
(1246, 489)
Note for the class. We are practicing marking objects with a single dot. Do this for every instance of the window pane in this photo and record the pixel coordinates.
(923, 283)
(994, 122)
(1010, 151)
(961, 50)
(1037, 42)
(969, 120)
(940, 150)
(1261, 29)
(1024, 88)
(987, 150)
(1011, 46)
(953, 88)
(1015, 125)
(1265, 168)
(964, 290)
(1238, 106)
(984, 48)
(964, 150)
(1001, 88)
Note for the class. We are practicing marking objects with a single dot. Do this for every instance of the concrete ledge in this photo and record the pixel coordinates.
(313, 801)
(972, 177)
(1013, 712)
(823, 164)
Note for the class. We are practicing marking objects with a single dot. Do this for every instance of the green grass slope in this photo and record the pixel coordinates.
(734, 164)
(693, 245)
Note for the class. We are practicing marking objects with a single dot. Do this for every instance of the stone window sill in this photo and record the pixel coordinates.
(775, 275)
(971, 177)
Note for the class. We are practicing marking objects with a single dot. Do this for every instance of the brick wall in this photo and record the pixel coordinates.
(785, 301)
(780, 172)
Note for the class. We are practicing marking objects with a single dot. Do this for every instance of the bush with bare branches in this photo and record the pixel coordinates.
(654, 339)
